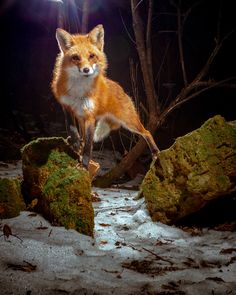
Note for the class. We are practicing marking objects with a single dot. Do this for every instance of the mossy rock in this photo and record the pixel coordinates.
(66, 200)
(63, 190)
(40, 158)
(197, 168)
(11, 199)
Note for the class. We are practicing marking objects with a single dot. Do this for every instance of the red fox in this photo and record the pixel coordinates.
(93, 104)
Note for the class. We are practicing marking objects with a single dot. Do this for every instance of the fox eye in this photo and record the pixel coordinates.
(92, 55)
(75, 57)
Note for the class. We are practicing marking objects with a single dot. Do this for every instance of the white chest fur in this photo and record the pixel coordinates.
(78, 88)
(80, 106)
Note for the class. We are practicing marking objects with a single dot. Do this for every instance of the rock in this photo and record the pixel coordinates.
(62, 189)
(66, 199)
(11, 199)
(198, 168)
(40, 158)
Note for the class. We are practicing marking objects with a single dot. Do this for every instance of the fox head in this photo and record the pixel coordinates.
(82, 55)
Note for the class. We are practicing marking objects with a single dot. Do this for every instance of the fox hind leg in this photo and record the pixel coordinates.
(136, 126)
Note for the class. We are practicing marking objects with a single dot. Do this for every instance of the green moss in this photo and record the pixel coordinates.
(66, 199)
(11, 200)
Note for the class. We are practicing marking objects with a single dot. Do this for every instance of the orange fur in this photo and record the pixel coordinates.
(81, 87)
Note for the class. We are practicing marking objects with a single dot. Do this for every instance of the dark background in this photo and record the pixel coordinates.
(28, 49)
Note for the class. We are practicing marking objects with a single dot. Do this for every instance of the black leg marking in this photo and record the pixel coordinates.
(88, 148)
(74, 138)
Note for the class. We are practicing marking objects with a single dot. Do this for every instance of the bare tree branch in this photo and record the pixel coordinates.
(148, 40)
(85, 16)
(189, 11)
(141, 48)
(180, 45)
(207, 86)
(126, 29)
(203, 72)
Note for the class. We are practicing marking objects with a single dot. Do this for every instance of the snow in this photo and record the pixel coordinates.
(129, 254)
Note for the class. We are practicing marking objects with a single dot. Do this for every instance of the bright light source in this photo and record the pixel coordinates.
(59, 1)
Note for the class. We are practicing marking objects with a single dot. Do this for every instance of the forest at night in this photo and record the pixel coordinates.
(118, 147)
(29, 50)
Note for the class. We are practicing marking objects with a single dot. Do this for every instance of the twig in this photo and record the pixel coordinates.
(178, 102)
(8, 232)
(141, 48)
(137, 5)
(126, 29)
(85, 16)
(113, 146)
(50, 233)
(211, 58)
(180, 45)
(157, 256)
(188, 12)
(148, 40)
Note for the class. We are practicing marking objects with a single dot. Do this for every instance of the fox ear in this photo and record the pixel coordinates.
(96, 36)
(64, 40)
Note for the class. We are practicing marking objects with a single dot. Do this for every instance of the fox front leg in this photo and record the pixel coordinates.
(89, 127)
(74, 138)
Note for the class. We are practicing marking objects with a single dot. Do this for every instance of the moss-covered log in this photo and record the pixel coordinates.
(63, 190)
(11, 199)
(197, 168)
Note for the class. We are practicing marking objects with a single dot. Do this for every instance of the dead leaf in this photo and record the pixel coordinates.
(227, 226)
(95, 197)
(32, 214)
(170, 286)
(27, 267)
(32, 204)
(215, 279)
(110, 271)
(204, 263)
(7, 230)
(103, 242)
(232, 260)
(160, 243)
(148, 267)
(194, 231)
(2, 210)
(228, 251)
(42, 227)
(104, 224)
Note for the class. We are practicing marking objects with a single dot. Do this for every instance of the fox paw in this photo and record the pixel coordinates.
(155, 154)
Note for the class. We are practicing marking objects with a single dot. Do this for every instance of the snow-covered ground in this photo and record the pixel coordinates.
(129, 254)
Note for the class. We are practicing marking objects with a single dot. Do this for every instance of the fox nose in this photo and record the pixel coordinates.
(86, 70)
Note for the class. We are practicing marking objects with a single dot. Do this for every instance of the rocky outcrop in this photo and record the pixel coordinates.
(11, 199)
(61, 189)
(198, 168)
